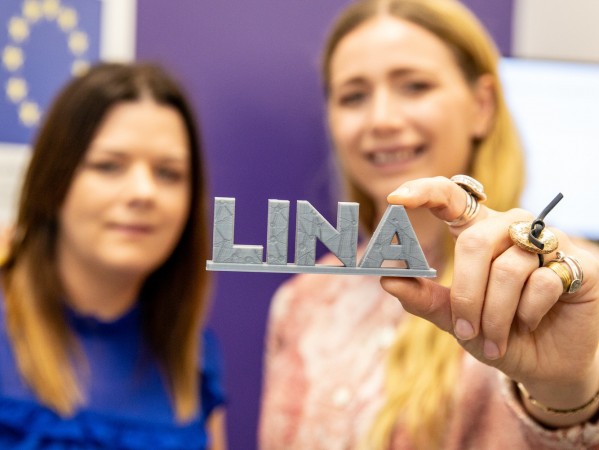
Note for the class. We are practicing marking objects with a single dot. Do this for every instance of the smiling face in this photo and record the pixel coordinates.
(129, 198)
(400, 107)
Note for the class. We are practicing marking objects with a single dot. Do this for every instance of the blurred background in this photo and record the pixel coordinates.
(251, 68)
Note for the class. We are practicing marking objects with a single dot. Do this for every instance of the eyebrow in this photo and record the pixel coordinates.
(395, 73)
(404, 72)
(122, 154)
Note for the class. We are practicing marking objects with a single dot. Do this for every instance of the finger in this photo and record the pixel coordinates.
(507, 279)
(543, 289)
(423, 298)
(475, 250)
(444, 198)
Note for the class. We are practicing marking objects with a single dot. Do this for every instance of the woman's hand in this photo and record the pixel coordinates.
(506, 310)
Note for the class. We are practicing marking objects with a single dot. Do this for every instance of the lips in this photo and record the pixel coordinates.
(131, 229)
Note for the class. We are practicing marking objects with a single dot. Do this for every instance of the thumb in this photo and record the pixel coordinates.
(422, 297)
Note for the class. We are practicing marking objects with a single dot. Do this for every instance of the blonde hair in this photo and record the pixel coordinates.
(424, 361)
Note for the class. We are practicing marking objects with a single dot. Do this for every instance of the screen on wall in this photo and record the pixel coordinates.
(556, 107)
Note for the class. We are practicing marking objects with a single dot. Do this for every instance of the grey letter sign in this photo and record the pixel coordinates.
(310, 226)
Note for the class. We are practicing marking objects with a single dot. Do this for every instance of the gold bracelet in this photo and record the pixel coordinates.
(548, 409)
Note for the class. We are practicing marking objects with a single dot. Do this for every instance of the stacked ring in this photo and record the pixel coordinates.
(474, 195)
(569, 270)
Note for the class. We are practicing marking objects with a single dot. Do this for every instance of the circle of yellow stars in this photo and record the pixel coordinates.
(13, 57)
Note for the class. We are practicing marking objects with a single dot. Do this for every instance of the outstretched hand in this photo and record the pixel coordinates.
(502, 307)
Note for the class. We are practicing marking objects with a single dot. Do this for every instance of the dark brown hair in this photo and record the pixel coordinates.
(172, 297)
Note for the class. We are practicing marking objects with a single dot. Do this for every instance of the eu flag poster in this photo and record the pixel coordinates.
(43, 43)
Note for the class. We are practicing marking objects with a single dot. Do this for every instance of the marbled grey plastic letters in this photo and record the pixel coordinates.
(343, 241)
(310, 226)
(223, 248)
(395, 223)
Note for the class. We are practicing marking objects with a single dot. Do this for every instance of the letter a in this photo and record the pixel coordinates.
(395, 222)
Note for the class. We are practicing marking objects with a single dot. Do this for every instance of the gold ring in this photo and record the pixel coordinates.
(569, 270)
(474, 195)
(519, 232)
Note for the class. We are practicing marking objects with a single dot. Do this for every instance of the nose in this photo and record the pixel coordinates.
(141, 184)
(386, 115)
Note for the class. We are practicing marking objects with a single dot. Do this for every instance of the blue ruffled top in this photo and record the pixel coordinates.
(133, 413)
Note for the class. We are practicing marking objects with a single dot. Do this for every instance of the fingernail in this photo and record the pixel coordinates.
(403, 191)
(463, 330)
(490, 349)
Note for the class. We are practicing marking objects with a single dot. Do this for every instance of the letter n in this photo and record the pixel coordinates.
(310, 225)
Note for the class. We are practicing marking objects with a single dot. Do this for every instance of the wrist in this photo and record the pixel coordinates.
(559, 416)
(562, 404)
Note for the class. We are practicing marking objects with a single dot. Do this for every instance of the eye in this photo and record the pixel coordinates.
(170, 174)
(352, 98)
(107, 166)
(416, 87)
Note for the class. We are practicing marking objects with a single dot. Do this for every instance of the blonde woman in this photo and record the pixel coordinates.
(414, 98)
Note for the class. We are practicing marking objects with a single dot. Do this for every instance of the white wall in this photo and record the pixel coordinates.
(556, 29)
(118, 30)
(13, 160)
(556, 106)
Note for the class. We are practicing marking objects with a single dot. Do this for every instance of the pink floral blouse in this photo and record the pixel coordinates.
(324, 370)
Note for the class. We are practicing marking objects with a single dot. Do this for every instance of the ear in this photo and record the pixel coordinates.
(486, 104)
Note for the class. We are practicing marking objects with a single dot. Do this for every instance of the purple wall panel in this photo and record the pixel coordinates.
(251, 68)
(497, 17)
